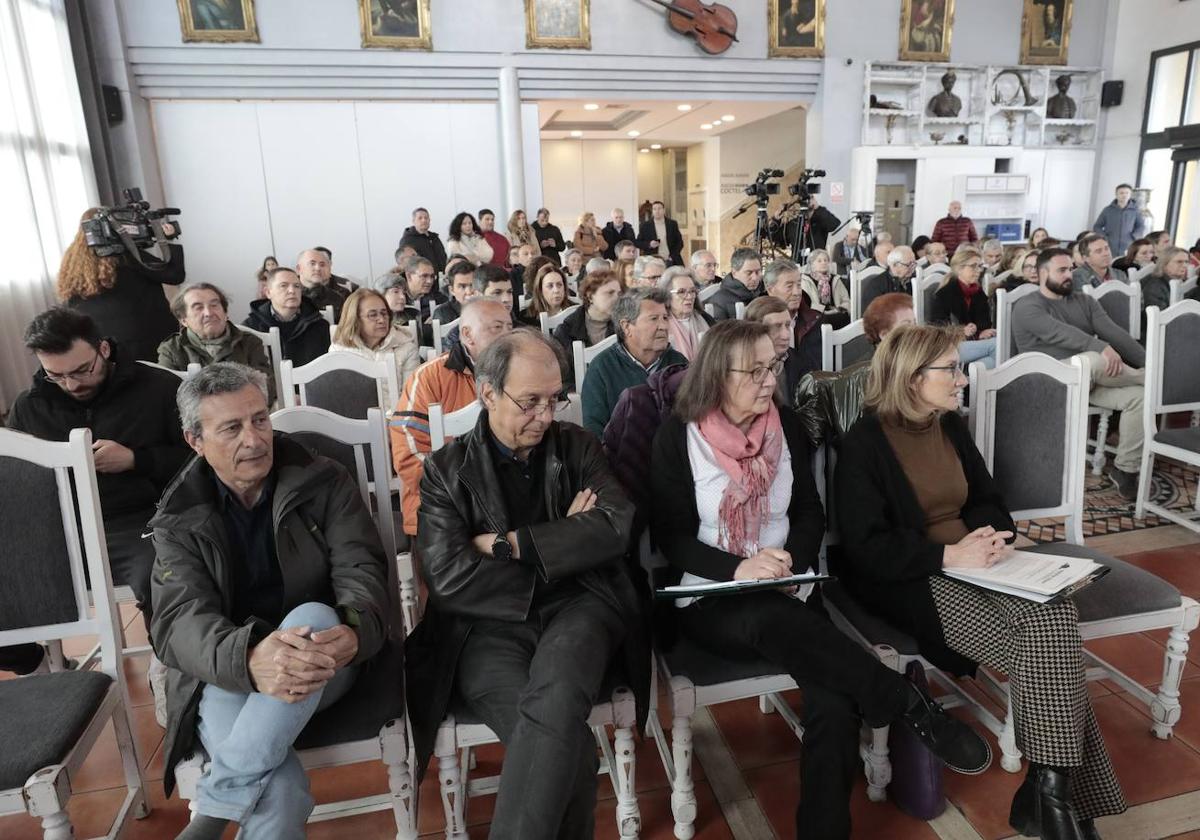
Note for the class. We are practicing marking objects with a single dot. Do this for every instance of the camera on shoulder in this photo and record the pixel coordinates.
(128, 228)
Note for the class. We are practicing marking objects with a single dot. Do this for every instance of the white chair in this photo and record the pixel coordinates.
(445, 427)
(843, 347)
(857, 278)
(368, 724)
(57, 718)
(273, 344)
(1122, 302)
(1006, 345)
(1172, 384)
(997, 280)
(708, 291)
(925, 288)
(439, 332)
(344, 383)
(550, 322)
(192, 369)
(583, 357)
(520, 302)
(327, 314)
(1181, 288)
(1135, 276)
(711, 309)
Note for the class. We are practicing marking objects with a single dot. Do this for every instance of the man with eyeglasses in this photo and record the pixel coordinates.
(530, 602)
(901, 263)
(85, 381)
(704, 267)
(742, 285)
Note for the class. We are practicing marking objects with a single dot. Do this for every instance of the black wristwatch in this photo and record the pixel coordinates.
(501, 549)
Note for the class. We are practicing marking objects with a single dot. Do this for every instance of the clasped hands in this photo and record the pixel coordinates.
(977, 550)
(292, 663)
(584, 501)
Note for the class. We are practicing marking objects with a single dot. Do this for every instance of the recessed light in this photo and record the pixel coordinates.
(727, 117)
(716, 122)
(683, 107)
(591, 106)
(644, 151)
(705, 126)
(656, 145)
(576, 133)
(632, 133)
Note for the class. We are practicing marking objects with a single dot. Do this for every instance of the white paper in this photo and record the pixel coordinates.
(1029, 574)
(714, 587)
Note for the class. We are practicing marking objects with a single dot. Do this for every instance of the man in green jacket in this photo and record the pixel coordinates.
(641, 317)
(206, 336)
(269, 589)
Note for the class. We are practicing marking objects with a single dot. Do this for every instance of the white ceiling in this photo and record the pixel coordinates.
(655, 120)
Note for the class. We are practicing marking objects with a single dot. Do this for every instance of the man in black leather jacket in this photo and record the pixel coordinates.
(523, 532)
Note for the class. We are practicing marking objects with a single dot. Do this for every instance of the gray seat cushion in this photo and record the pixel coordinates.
(1125, 590)
(376, 697)
(1188, 439)
(44, 715)
(875, 629)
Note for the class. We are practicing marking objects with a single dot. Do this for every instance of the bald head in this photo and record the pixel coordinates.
(483, 321)
(313, 267)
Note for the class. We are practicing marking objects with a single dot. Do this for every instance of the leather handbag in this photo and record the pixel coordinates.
(916, 786)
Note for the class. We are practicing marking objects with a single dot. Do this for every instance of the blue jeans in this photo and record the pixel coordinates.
(254, 777)
(982, 350)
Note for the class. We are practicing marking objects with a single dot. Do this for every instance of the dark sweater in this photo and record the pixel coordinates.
(609, 375)
(732, 292)
(950, 306)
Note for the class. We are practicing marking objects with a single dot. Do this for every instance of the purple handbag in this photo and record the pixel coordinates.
(916, 786)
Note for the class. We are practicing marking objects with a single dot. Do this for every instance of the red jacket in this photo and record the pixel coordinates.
(953, 232)
(500, 246)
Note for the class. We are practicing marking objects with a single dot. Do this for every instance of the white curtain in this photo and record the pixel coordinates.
(46, 176)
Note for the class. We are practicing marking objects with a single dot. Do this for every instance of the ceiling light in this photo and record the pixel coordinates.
(632, 133)
(656, 145)
(576, 133)
(644, 151)
(727, 117)
(591, 106)
(683, 107)
(716, 122)
(705, 126)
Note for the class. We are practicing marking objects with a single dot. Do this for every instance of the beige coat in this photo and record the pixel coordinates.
(841, 297)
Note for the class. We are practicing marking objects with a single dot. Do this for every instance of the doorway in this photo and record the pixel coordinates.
(895, 188)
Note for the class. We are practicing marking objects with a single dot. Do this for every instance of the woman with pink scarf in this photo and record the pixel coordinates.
(734, 499)
(688, 321)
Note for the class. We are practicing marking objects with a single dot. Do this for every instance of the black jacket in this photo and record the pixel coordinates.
(446, 312)
(822, 224)
(572, 329)
(304, 338)
(328, 294)
(461, 498)
(732, 292)
(844, 256)
(549, 232)
(134, 311)
(135, 407)
(950, 306)
(647, 233)
(612, 236)
(887, 559)
(881, 284)
(427, 245)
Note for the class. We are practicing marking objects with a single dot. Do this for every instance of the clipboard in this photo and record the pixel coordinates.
(735, 587)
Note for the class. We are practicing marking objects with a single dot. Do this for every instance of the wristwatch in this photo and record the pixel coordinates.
(501, 549)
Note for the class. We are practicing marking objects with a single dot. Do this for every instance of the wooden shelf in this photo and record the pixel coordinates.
(953, 121)
(1050, 122)
(892, 112)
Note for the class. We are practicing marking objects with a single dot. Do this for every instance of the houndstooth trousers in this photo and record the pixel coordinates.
(1039, 648)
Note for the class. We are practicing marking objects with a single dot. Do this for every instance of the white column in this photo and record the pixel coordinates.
(511, 151)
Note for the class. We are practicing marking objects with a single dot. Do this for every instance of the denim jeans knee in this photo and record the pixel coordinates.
(312, 614)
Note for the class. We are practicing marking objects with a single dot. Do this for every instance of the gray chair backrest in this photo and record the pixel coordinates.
(927, 295)
(1117, 308)
(343, 392)
(1028, 467)
(34, 564)
(855, 350)
(1181, 373)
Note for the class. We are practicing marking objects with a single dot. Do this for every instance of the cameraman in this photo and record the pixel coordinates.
(821, 224)
(123, 297)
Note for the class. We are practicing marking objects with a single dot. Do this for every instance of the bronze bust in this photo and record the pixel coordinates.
(1060, 106)
(946, 104)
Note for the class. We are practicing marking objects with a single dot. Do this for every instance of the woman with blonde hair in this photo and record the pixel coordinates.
(366, 328)
(589, 238)
(960, 300)
(548, 294)
(122, 295)
(521, 233)
(624, 270)
(914, 497)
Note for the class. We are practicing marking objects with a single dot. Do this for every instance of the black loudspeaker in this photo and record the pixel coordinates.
(1111, 94)
(114, 111)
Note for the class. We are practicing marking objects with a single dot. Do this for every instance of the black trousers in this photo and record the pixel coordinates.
(130, 561)
(842, 684)
(534, 683)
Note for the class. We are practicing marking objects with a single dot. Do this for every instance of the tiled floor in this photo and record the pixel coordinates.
(764, 752)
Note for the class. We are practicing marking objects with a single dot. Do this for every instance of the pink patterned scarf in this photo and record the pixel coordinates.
(751, 460)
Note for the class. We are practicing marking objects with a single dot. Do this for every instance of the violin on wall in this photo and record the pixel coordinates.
(712, 25)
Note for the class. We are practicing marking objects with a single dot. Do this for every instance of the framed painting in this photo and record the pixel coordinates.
(1045, 30)
(228, 21)
(558, 24)
(796, 28)
(395, 24)
(925, 28)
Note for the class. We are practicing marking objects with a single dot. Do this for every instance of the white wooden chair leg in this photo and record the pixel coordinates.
(877, 765)
(1145, 484)
(1010, 756)
(46, 795)
(57, 826)
(55, 658)
(765, 705)
(127, 749)
(393, 745)
(683, 792)
(1098, 457)
(450, 783)
(1165, 708)
(408, 591)
(629, 817)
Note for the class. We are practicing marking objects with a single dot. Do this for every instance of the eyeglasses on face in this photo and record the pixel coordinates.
(77, 375)
(758, 375)
(684, 292)
(956, 368)
(531, 408)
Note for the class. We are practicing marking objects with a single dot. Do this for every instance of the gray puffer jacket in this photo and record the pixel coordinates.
(1120, 226)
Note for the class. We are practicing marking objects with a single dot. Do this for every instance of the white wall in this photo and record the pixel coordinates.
(595, 175)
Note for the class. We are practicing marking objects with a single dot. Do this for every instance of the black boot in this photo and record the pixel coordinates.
(951, 740)
(1088, 829)
(1020, 816)
(1054, 815)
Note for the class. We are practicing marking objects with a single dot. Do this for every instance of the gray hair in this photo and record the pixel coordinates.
(642, 262)
(214, 380)
(775, 269)
(567, 254)
(492, 366)
(741, 256)
(991, 245)
(698, 257)
(883, 236)
(597, 264)
(179, 305)
(671, 273)
(629, 306)
(899, 253)
(818, 252)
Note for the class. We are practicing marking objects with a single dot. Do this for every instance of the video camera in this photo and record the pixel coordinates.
(130, 227)
(864, 221)
(803, 190)
(760, 189)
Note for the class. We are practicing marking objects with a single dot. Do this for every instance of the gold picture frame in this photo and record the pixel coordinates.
(222, 21)
(395, 24)
(925, 29)
(558, 24)
(792, 32)
(1046, 31)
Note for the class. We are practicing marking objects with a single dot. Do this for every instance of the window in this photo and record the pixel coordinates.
(1166, 169)
(1166, 97)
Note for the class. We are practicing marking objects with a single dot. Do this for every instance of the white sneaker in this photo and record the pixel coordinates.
(158, 687)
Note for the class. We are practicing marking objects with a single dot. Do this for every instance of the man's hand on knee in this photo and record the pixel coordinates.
(338, 643)
(271, 662)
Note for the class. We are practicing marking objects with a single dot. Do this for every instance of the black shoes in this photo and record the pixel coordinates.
(954, 742)
(1127, 482)
(1042, 807)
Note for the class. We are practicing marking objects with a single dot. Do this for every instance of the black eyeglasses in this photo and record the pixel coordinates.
(78, 375)
(956, 368)
(759, 374)
(534, 407)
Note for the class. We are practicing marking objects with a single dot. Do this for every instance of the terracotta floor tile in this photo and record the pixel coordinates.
(657, 821)
(91, 815)
(1147, 768)
(756, 739)
(1188, 727)
(102, 768)
(1179, 565)
(1192, 669)
(1135, 655)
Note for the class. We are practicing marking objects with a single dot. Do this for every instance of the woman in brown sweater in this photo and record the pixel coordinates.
(913, 496)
